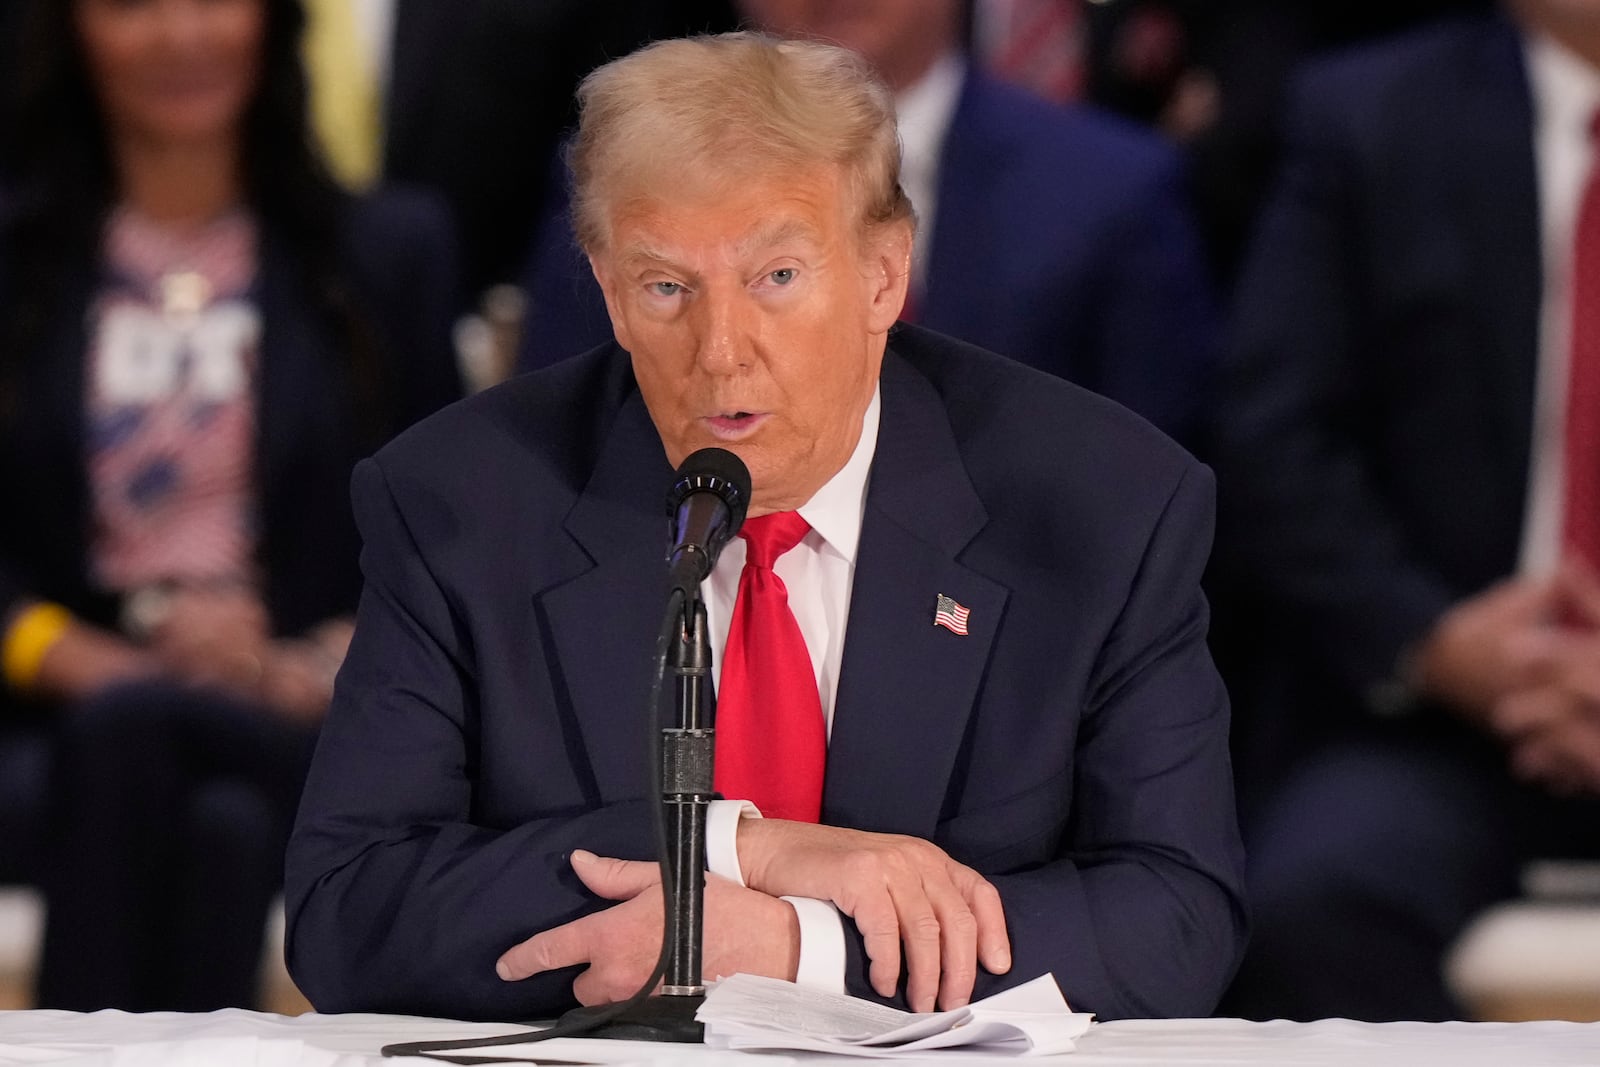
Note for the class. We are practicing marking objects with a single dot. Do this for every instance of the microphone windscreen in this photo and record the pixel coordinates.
(718, 471)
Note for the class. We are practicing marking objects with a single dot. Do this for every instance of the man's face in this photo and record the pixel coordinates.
(756, 313)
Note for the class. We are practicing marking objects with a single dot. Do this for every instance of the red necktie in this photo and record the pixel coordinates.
(1580, 533)
(771, 746)
(1040, 46)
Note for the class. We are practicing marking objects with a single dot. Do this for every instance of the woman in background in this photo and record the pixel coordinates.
(199, 335)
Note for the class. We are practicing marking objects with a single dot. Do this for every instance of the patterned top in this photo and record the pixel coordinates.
(170, 395)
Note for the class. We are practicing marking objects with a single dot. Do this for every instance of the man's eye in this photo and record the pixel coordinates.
(783, 275)
(666, 288)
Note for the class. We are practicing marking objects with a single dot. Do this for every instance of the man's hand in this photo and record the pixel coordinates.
(1491, 645)
(1553, 731)
(1552, 726)
(899, 890)
(745, 931)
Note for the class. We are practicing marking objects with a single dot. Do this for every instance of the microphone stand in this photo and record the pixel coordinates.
(687, 761)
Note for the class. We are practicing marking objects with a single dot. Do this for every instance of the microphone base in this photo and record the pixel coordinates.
(658, 1018)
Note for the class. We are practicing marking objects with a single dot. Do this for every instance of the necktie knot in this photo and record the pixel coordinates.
(770, 536)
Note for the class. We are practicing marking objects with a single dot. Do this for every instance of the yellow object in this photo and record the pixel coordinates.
(29, 639)
(345, 110)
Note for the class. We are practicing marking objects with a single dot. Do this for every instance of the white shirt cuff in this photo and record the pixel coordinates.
(722, 836)
(822, 956)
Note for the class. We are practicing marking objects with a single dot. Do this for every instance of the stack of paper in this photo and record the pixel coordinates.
(747, 1012)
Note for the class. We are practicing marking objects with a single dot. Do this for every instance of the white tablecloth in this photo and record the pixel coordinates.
(246, 1039)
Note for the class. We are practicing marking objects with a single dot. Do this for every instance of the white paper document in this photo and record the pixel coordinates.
(748, 1012)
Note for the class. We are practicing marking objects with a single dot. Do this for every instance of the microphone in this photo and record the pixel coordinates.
(705, 507)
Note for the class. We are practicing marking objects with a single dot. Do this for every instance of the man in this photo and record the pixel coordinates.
(1057, 236)
(469, 99)
(1416, 496)
(1040, 784)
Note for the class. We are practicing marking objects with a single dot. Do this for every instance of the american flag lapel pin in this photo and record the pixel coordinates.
(950, 615)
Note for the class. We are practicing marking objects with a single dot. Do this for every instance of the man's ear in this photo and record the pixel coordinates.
(608, 288)
(888, 274)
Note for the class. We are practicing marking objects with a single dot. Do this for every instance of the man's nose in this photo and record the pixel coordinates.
(724, 333)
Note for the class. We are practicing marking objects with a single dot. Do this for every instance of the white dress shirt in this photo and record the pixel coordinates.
(818, 573)
(1566, 93)
(375, 21)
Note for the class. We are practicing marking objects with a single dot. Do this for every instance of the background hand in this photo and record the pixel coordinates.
(87, 660)
(1490, 646)
(1552, 726)
(214, 636)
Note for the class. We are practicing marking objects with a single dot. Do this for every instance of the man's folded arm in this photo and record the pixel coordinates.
(399, 899)
(1141, 911)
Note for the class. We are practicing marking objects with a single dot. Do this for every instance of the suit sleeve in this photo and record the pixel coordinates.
(1302, 515)
(398, 900)
(1140, 913)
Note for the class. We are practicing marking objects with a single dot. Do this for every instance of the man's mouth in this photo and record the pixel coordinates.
(730, 425)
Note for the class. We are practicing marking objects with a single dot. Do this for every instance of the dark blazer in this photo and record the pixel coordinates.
(1380, 390)
(1062, 238)
(398, 259)
(489, 718)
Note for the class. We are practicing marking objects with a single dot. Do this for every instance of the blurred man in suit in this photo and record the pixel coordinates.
(470, 98)
(1060, 237)
(1410, 477)
(1005, 743)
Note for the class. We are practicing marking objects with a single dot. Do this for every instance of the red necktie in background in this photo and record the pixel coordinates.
(1039, 45)
(1580, 524)
(771, 745)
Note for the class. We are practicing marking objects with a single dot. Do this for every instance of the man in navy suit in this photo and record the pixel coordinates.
(1391, 470)
(1057, 236)
(1046, 790)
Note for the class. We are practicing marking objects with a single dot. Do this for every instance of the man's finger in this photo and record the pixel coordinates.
(919, 933)
(994, 942)
(880, 935)
(1529, 711)
(548, 950)
(958, 944)
(614, 879)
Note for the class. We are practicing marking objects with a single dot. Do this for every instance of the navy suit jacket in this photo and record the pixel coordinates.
(1380, 390)
(1062, 239)
(489, 718)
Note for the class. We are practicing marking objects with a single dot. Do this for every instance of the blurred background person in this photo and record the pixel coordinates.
(1410, 479)
(201, 333)
(1210, 74)
(1058, 236)
(469, 98)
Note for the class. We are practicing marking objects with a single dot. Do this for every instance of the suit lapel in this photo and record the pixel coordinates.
(604, 618)
(907, 687)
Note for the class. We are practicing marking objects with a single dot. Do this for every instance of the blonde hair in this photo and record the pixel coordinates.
(732, 105)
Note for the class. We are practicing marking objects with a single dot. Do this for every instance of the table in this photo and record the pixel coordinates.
(237, 1038)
